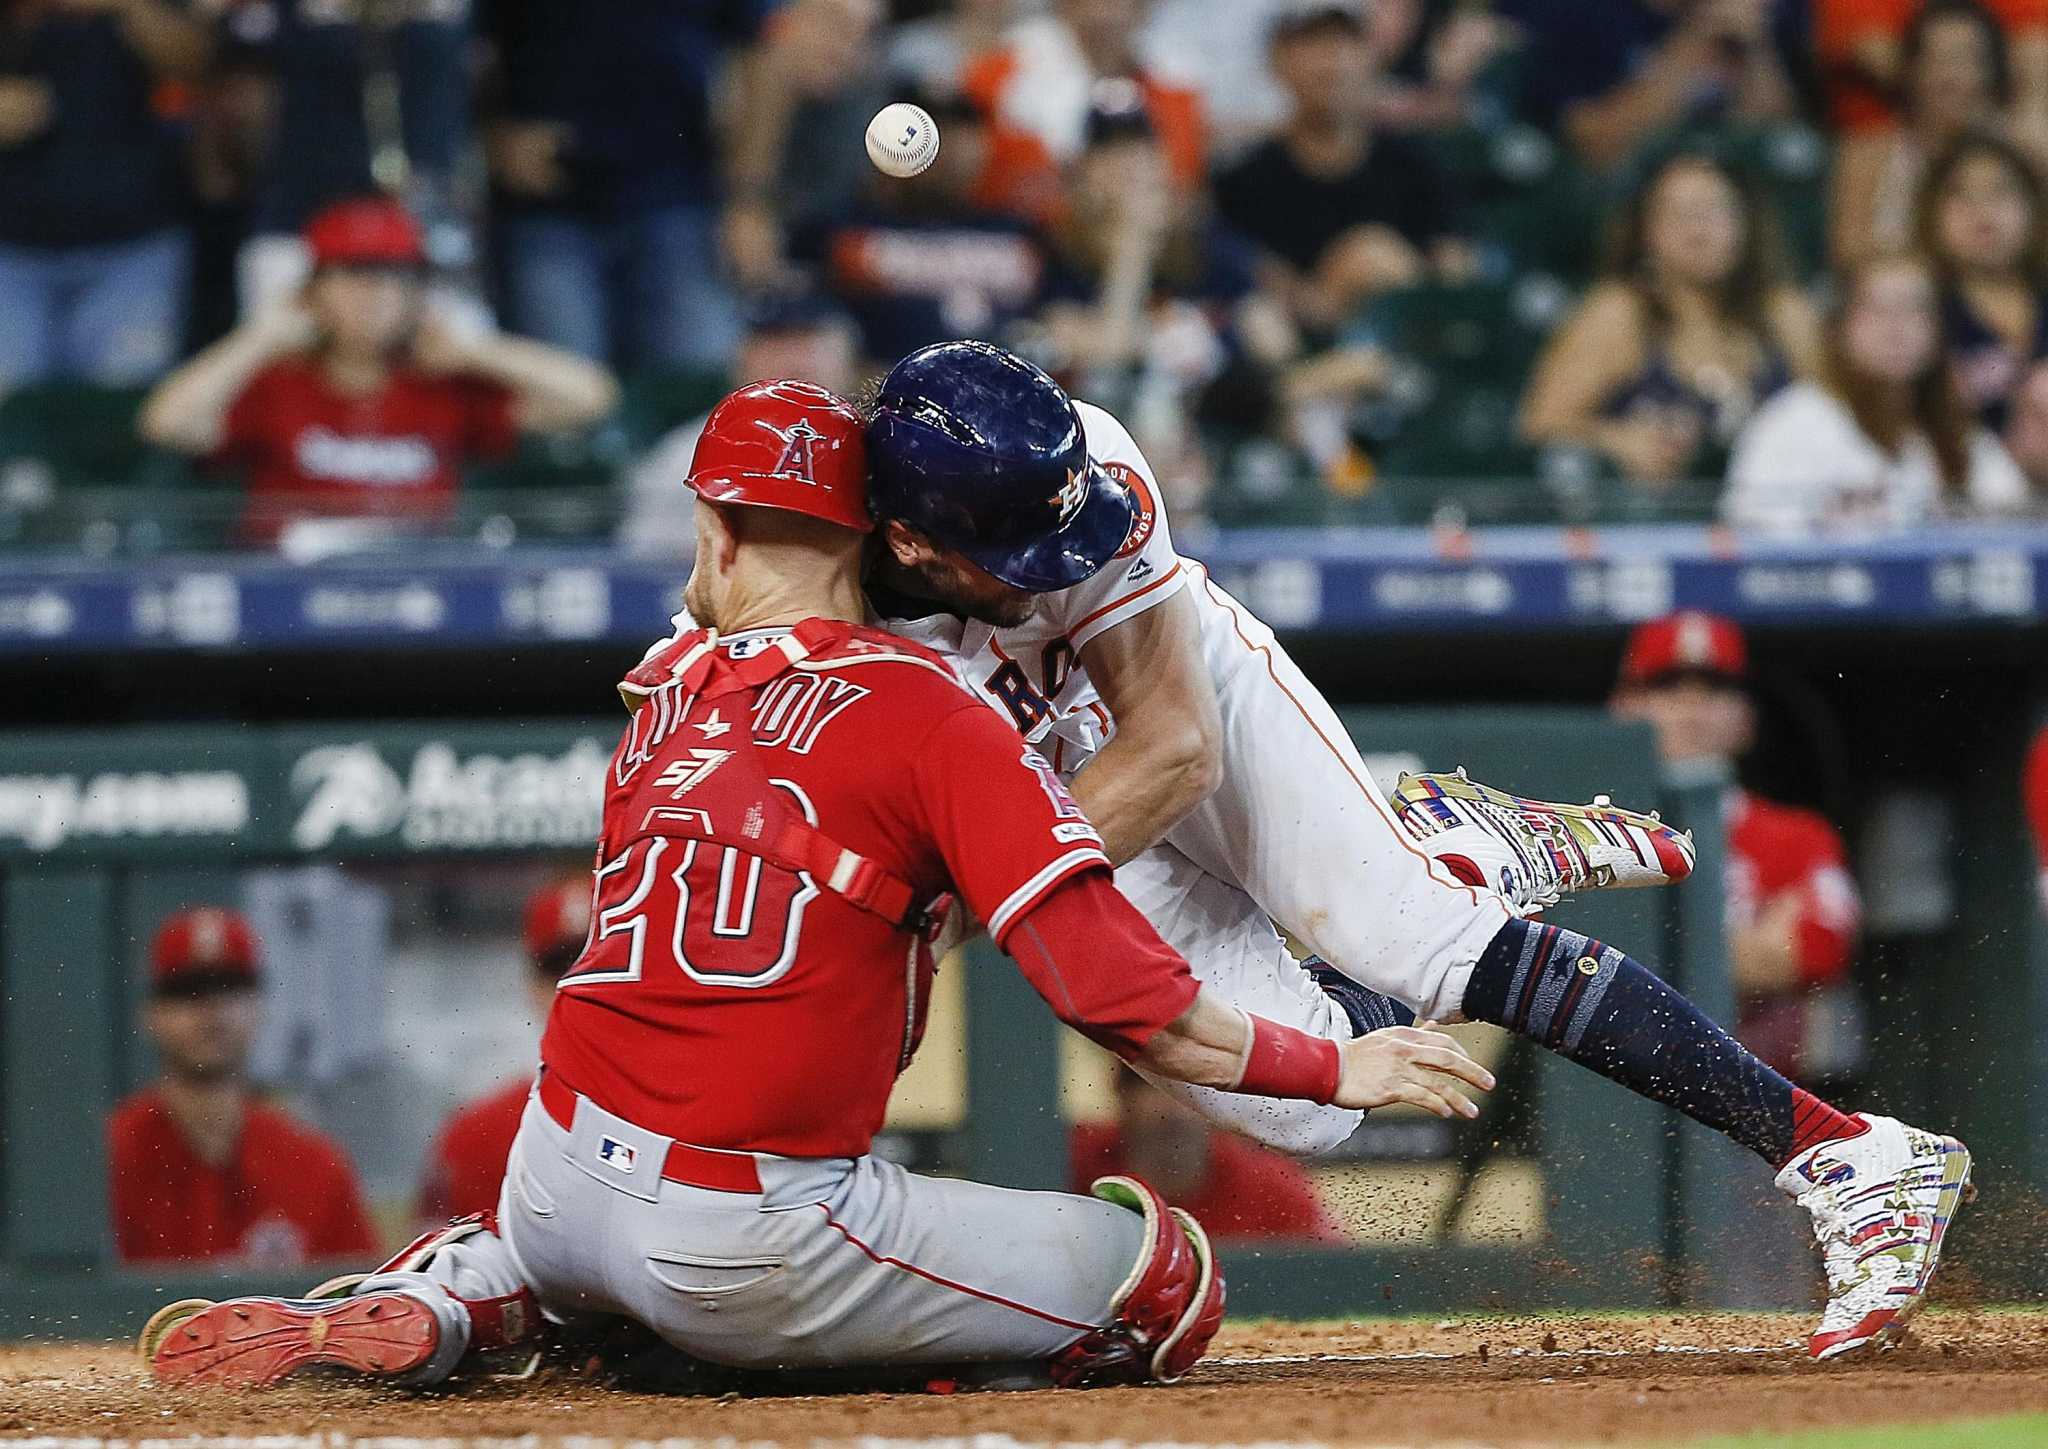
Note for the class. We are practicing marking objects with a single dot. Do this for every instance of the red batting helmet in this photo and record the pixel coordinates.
(788, 445)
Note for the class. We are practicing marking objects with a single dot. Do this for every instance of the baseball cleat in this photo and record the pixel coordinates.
(255, 1342)
(1881, 1203)
(1534, 852)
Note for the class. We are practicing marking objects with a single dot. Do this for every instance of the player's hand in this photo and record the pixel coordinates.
(26, 105)
(1414, 1064)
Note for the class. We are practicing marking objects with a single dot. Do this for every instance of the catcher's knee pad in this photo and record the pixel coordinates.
(1167, 1309)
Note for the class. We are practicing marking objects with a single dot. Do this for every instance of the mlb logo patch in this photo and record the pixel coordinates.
(614, 1153)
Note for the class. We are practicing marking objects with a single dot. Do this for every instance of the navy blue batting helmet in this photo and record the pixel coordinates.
(981, 452)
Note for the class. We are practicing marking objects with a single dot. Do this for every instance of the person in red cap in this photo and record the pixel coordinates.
(356, 399)
(198, 1168)
(466, 1164)
(1793, 910)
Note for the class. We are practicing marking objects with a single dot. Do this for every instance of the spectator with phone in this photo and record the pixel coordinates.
(357, 400)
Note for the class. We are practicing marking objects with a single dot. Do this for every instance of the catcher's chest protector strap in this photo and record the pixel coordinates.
(734, 802)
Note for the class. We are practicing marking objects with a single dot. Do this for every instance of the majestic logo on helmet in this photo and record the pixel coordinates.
(1070, 498)
(1144, 510)
(796, 461)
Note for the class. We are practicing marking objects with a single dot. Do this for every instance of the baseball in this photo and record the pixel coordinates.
(902, 139)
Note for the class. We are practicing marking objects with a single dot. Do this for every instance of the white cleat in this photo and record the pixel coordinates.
(1534, 852)
(1881, 1205)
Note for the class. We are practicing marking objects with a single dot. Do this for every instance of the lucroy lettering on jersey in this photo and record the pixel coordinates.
(726, 1001)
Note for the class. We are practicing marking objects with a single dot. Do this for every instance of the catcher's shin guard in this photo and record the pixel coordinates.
(1165, 1312)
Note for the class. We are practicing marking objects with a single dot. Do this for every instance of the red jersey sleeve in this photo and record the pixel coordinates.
(1002, 822)
(490, 418)
(2034, 790)
(1099, 964)
(344, 1230)
(1831, 913)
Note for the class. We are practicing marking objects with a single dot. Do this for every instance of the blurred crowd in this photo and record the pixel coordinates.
(1775, 262)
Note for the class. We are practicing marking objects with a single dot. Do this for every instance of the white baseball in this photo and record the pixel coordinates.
(902, 139)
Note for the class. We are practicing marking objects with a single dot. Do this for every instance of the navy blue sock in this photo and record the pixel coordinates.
(1367, 1009)
(1587, 1001)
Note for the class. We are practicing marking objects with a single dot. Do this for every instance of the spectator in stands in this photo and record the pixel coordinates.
(922, 260)
(2026, 432)
(356, 400)
(2034, 793)
(93, 262)
(1608, 75)
(1693, 325)
(608, 169)
(1239, 1192)
(368, 97)
(934, 52)
(1040, 87)
(198, 1167)
(1879, 439)
(1340, 212)
(1984, 220)
(789, 334)
(815, 85)
(1868, 51)
(1954, 75)
(1793, 911)
(466, 1163)
(1433, 52)
(1146, 301)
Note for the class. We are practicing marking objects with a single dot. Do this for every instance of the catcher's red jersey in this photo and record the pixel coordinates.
(727, 1002)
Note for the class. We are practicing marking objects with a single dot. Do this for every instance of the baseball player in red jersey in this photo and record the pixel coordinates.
(466, 1164)
(198, 1169)
(1793, 908)
(791, 810)
(2034, 790)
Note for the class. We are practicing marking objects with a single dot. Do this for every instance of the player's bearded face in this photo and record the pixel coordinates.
(952, 580)
(205, 1038)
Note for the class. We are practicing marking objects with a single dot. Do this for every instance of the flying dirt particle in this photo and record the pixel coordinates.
(1549, 1345)
(1483, 1352)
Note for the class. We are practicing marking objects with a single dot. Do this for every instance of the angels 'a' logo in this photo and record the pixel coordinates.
(1070, 498)
(795, 461)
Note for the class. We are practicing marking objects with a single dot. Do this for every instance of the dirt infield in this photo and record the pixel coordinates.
(1469, 1382)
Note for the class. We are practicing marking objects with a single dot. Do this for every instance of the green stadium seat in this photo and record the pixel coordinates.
(660, 400)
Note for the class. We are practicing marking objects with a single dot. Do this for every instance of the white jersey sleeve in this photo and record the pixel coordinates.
(1146, 572)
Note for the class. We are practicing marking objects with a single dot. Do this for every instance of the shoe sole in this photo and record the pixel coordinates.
(1887, 1325)
(255, 1342)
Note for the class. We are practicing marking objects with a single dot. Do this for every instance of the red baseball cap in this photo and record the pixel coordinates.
(557, 921)
(788, 445)
(204, 941)
(1687, 642)
(365, 231)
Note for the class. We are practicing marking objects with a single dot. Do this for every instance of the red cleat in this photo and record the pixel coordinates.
(255, 1342)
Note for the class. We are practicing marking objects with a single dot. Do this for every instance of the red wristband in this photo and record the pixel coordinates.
(1284, 1062)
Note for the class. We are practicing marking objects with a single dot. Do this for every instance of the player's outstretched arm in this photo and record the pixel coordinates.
(1105, 972)
(1166, 755)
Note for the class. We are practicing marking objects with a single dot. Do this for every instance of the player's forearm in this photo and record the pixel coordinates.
(186, 411)
(556, 389)
(1138, 788)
